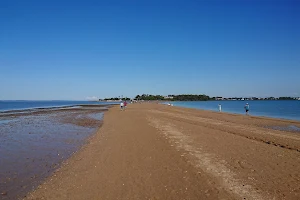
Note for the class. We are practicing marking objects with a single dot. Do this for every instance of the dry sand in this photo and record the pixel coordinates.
(153, 151)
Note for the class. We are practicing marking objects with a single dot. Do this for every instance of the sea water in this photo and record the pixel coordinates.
(288, 109)
(24, 105)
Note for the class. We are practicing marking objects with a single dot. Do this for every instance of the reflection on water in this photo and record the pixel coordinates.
(32, 147)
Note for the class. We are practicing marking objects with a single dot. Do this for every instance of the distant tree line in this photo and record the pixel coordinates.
(286, 98)
(181, 97)
(274, 98)
(117, 99)
(255, 98)
(191, 97)
(149, 97)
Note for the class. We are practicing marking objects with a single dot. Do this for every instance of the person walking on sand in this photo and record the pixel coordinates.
(220, 108)
(122, 105)
(125, 104)
(247, 108)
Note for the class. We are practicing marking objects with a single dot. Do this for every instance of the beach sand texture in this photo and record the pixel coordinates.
(153, 151)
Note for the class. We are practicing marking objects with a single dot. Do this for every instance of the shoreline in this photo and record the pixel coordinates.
(119, 157)
(47, 108)
(32, 111)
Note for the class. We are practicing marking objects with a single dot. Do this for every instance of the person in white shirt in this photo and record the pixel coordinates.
(122, 105)
(220, 108)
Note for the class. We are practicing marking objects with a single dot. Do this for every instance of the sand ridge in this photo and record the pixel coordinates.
(153, 151)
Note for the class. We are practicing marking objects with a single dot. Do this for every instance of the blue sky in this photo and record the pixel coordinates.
(76, 49)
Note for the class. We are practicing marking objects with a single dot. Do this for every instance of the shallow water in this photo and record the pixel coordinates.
(4, 121)
(97, 116)
(290, 128)
(274, 109)
(32, 147)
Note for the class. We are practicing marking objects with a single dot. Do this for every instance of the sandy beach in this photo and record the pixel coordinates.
(153, 151)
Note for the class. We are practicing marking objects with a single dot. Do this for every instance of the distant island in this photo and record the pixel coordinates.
(193, 97)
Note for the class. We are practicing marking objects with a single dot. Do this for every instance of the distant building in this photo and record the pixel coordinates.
(218, 98)
(168, 97)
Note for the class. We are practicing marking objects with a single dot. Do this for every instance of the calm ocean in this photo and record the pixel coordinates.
(275, 109)
(24, 105)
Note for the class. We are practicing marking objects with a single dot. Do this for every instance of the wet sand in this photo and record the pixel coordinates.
(153, 151)
(34, 144)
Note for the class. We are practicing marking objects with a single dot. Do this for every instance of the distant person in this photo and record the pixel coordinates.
(220, 107)
(122, 105)
(247, 108)
(125, 104)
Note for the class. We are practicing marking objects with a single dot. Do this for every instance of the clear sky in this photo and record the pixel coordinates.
(72, 50)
